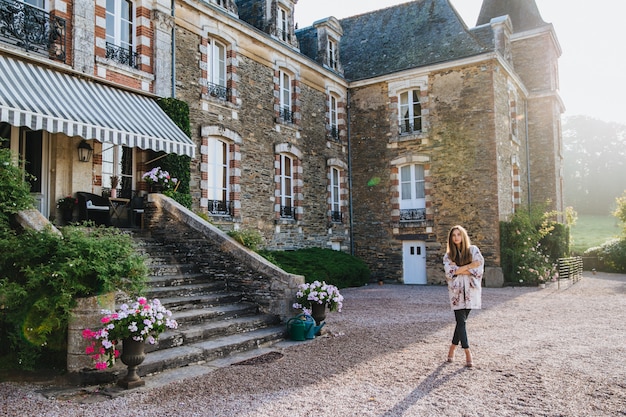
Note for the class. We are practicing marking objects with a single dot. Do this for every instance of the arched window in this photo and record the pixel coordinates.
(216, 69)
(218, 177)
(286, 178)
(410, 112)
(412, 192)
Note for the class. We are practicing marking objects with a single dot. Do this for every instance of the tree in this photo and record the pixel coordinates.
(594, 164)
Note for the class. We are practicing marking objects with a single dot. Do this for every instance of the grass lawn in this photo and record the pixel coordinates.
(590, 231)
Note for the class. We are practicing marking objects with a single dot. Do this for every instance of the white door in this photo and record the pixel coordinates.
(414, 262)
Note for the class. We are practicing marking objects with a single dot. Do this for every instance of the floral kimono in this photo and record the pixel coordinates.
(465, 290)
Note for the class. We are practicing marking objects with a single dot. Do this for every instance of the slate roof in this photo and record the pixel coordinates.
(307, 41)
(524, 14)
(402, 37)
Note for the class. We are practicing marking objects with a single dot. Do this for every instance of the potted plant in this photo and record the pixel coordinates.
(132, 325)
(115, 180)
(66, 205)
(159, 180)
(313, 298)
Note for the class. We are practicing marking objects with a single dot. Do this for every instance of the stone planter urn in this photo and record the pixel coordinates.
(133, 354)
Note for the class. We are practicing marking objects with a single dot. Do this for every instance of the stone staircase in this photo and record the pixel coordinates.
(213, 321)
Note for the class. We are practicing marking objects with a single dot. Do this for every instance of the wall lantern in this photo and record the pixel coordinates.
(84, 151)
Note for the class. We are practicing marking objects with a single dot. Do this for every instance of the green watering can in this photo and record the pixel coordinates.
(303, 327)
(297, 327)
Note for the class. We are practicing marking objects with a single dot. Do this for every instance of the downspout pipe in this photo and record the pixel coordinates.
(173, 49)
(350, 200)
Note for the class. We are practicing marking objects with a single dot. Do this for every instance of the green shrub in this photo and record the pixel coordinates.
(250, 238)
(42, 275)
(14, 191)
(611, 256)
(334, 267)
(530, 245)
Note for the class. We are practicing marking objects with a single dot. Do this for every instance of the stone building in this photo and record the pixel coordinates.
(371, 134)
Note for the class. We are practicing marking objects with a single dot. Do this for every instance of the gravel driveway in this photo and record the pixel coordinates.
(537, 352)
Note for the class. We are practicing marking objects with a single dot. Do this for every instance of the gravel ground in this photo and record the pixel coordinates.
(537, 352)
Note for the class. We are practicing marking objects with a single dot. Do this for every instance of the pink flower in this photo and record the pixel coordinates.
(89, 349)
(101, 365)
(105, 319)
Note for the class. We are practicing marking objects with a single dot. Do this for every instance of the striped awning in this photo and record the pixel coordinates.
(43, 99)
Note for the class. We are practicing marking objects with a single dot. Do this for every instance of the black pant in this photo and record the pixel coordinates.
(460, 333)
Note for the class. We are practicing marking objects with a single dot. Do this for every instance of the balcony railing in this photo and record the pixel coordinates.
(406, 128)
(287, 212)
(286, 115)
(336, 217)
(413, 215)
(218, 91)
(334, 132)
(220, 207)
(122, 55)
(32, 29)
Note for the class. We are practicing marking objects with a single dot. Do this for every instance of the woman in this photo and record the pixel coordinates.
(464, 265)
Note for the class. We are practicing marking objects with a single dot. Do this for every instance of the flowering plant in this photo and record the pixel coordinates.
(318, 293)
(67, 203)
(143, 320)
(158, 176)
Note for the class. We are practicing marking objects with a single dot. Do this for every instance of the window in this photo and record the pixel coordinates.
(412, 193)
(283, 24)
(216, 69)
(332, 54)
(335, 195)
(410, 114)
(218, 177)
(286, 187)
(37, 3)
(119, 32)
(334, 118)
(285, 97)
(118, 161)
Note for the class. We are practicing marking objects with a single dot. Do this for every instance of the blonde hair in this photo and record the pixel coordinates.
(459, 255)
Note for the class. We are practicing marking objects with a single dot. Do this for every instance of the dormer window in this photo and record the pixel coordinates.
(283, 25)
(332, 54)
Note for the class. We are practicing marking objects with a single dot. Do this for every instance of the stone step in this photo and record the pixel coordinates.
(221, 312)
(157, 281)
(170, 291)
(178, 303)
(192, 333)
(207, 350)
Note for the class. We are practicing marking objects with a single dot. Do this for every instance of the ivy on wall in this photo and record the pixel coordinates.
(178, 165)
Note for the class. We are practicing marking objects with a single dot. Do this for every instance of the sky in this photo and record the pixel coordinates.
(592, 67)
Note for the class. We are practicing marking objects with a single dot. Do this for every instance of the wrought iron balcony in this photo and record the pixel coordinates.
(220, 207)
(218, 91)
(406, 128)
(334, 132)
(122, 55)
(336, 217)
(286, 114)
(413, 215)
(33, 29)
(287, 212)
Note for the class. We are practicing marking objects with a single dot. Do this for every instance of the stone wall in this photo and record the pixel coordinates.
(253, 119)
(468, 152)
